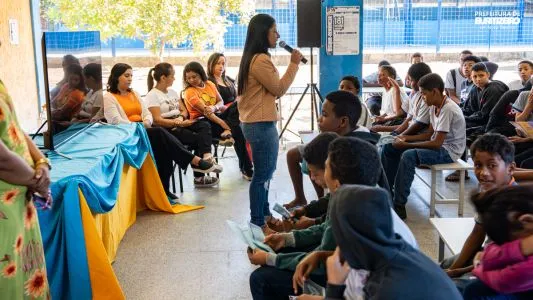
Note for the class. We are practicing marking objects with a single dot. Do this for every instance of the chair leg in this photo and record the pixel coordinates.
(223, 151)
(461, 192)
(433, 196)
(181, 179)
(172, 178)
(215, 155)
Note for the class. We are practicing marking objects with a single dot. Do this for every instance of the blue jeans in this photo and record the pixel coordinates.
(263, 139)
(400, 167)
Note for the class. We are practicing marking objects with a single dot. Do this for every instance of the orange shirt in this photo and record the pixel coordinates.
(67, 103)
(193, 96)
(131, 106)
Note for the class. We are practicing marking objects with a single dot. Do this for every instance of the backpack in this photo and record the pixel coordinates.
(452, 71)
(453, 78)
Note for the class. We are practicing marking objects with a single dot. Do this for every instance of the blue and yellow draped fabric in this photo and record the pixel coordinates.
(97, 192)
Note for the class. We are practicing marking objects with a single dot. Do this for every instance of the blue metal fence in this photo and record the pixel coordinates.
(441, 24)
(393, 25)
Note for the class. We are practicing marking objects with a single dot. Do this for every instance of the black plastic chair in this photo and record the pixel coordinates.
(174, 165)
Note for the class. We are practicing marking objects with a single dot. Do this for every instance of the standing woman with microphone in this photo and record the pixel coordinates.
(259, 84)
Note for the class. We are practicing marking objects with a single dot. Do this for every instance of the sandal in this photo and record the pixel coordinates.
(227, 142)
(267, 230)
(295, 203)
(275, 224)
(454, 177)
(226, 136)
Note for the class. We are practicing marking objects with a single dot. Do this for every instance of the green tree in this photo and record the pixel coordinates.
(156, 22)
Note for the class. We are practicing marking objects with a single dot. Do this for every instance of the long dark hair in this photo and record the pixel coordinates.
(195, 67)
(116, 72)
(161, 69)
(211, 62)
(256, 42)
(500, 208)
(77, 70)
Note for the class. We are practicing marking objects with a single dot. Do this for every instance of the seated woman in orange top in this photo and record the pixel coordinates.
(205, 105)
(67, 103)
(124, 106)
(203, 102)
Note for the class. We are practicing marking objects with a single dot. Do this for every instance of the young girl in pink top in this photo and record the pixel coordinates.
(505, 267)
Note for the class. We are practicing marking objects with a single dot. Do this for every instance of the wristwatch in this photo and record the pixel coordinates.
(44, 160)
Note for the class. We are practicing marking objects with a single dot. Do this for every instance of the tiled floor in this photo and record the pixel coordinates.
(195, 256)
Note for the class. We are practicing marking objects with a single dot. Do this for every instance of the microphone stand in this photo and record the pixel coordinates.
(314, 92)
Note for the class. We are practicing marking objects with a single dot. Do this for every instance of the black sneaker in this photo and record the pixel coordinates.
(400, 211)
(248, 175)
(205, 167)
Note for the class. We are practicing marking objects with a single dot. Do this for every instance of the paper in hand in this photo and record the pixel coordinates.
(386, 139)
(250, 234)
(313, 288)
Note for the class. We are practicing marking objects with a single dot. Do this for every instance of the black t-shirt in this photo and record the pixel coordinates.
(227, 93)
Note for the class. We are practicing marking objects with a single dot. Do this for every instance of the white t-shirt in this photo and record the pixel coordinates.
(93, 99)
(387, 100)
(168, 103)
(451, 121)
(515, 85)
(416, 108)
(458, 81)
(357, 278)
(521, 102)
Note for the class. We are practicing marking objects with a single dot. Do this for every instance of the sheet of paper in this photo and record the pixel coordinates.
(258, 237)
(250, 234)
(242, 233)
(385, 139)
(313, 288)
(526, 128)
(343, 30)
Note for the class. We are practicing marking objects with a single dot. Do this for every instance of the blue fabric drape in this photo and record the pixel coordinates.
(98, 154)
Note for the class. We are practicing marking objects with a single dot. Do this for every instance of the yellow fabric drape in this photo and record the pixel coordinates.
(103, 232)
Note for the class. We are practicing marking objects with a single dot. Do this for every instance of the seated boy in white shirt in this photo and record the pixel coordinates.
(443, 142)
(455, 78)
(525, 71)
(417, 110)
(392, 98)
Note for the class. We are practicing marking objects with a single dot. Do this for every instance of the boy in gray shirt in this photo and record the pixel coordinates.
(444, 142)
(455, 78)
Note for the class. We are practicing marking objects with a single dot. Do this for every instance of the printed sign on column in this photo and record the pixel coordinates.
(343, 30)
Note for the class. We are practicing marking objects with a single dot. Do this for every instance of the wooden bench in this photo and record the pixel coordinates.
(459, 165)
(453, 233)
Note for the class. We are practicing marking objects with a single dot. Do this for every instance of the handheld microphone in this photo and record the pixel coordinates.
(289, 49)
